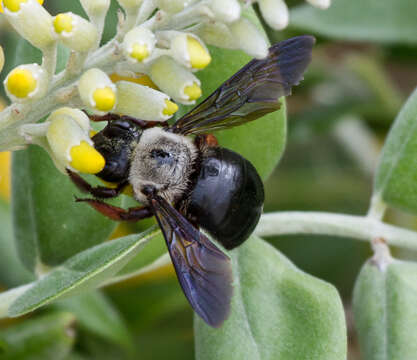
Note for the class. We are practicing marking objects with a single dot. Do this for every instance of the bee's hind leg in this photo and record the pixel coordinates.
(117, 213)
(101, 192)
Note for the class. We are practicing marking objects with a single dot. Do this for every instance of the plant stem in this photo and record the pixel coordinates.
(320, 223)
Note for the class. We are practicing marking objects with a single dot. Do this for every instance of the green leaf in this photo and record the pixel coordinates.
(382, 21)
(95, 313)
(46, 337)
(49, 225)
(384, 305)
(396, 176)
(278, 312)
(12, 271)
(86, 270)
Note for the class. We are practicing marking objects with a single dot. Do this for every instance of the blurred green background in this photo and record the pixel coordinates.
(363, 69)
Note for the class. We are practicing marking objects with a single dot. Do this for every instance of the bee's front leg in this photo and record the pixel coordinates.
(101, 192)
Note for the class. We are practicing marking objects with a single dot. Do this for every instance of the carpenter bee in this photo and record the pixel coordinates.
(191, 183)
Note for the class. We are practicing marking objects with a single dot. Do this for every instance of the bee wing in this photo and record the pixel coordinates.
(203, 270)
(253, 91)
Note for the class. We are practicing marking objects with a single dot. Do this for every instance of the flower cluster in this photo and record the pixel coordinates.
(146, 69)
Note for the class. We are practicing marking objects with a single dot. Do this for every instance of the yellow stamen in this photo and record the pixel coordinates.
(63, 22)
(105, 99)
(139, 78)
(92, 133)
(199, 57)
(13, 4)
(139, 52)
(86, 159)
(170, 108)
(21, 83)
(193, 91)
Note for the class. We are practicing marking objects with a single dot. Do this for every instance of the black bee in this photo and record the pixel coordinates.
(190, 183)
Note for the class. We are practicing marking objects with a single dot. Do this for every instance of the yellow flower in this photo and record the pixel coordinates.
(97, 91)
(13, 5)
(70, 144)
(26, 82)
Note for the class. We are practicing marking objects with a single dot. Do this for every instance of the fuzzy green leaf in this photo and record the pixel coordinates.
(46, 337)
(382, 21)
(86, 270)
(12, 271)
(384, 305)
(278, 312)
(49, 225)
(95, 313)
(396, 176)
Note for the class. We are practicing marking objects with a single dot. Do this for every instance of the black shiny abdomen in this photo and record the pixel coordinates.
(228, 197)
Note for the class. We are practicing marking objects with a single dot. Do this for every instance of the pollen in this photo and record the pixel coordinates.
(86, 159)
(199, 57)
(21, 83)
(14, 5)
(139, 52)
(104, 98)
(192, 91)
(63, 22)
(170, 108)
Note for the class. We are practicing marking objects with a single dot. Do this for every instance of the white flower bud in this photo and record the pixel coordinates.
(143, 102)
(1, 58)
(226, 10)
(95, 8)
(249, 38)
(97, 91)
(79, 116)
(217, 34)
(322, 4)
(173, 6)
(130, 4)
(190, 51)
(26, 82)
(70, 143)
(138, 44)
(31, 21)
(75, 32)
(174, 80)
(275, 13)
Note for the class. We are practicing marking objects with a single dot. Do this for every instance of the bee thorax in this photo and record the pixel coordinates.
(163, 161)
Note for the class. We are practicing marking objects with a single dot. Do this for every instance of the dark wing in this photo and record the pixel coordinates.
(253, 91)
(203, 271)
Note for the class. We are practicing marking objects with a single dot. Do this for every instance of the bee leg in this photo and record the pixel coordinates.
(101, 192)
(205, 140)
(117, 213)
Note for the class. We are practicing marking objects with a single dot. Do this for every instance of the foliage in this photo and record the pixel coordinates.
(293, 293)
